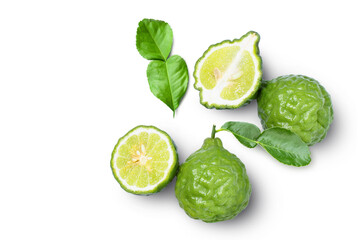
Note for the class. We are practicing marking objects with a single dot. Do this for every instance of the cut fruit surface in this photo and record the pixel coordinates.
(229, 73)
(144, 160)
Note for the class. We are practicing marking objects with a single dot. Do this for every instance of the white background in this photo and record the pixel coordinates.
(72, 83)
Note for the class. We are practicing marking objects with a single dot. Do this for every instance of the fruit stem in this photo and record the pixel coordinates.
(213, 131)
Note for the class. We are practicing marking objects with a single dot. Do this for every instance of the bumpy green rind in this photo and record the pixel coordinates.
(212, 184)
(247, 100)
(168, 178)
(297, 103)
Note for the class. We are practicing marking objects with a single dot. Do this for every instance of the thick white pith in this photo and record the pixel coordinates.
(171, 161)
(212, 96)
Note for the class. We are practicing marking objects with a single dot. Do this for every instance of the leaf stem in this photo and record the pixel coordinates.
(213, 131)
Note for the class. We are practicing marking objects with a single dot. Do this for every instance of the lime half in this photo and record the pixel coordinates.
(229, 73)
(144, 160)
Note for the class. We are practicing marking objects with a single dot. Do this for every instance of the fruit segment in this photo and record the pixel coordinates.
(144, 160)
(141, 160)
(229, 73)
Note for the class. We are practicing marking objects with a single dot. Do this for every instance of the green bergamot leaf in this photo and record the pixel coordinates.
(285, 146)
(154, 39)
(168, 80)
(246, 133)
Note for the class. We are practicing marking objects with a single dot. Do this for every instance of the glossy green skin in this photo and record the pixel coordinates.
(297, 103)
(212, 184)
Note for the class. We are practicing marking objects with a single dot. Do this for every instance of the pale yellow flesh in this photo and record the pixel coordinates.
(143, 159)
(230, 68)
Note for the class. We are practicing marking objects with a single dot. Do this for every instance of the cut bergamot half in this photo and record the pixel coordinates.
(144, 160)
(229, 73)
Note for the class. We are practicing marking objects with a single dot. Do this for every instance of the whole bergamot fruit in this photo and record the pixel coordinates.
(212, 184)
(298, 103)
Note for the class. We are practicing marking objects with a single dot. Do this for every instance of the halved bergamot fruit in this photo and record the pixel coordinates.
(229, 73)
(144, 160)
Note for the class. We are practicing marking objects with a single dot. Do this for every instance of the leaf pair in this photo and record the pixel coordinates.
(284, 145)
(168, 77)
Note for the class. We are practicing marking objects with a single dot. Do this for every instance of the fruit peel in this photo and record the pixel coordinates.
(212, 184)
(297, 103)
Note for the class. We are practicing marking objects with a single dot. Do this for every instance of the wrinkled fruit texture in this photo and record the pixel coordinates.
(212, 184)
(297, 103)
